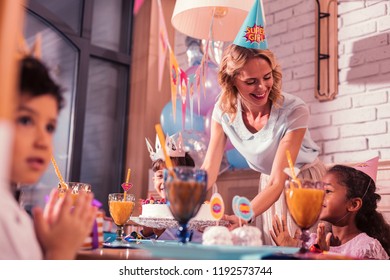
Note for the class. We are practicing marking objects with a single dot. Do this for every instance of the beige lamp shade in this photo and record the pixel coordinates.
(193, 17)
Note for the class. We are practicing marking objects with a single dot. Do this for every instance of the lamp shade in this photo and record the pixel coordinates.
(193, 17)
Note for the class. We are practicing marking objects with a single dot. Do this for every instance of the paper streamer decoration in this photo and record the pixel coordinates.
(137, 6)
(162, 43)
(180, 82)
(242, 208)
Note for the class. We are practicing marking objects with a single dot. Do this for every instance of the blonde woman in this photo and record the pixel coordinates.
(262, 123)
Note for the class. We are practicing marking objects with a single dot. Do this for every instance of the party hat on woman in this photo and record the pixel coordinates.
(252, 33)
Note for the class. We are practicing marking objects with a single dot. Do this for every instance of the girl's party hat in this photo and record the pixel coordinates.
(173, 148)
(252, 33)
(370, 167)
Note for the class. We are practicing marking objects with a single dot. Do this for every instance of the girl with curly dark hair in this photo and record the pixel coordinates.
(350, 206)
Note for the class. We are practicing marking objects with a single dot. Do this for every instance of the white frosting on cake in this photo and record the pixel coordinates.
(247, 236)
(162, 211)
(217, 235)
(156, 211)
(204, 214)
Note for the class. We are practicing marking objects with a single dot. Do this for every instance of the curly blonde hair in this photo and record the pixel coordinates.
(233, 60)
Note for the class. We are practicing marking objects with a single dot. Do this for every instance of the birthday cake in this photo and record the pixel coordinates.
(159, 209)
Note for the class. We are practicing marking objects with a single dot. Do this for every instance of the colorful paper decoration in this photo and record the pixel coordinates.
(242, 208)
(217, 206)
(180, 83)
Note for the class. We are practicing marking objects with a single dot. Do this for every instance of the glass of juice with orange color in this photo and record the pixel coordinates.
(304, 201)
(121, 207)
(74, 188)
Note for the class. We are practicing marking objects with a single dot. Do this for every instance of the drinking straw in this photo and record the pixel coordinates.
(127, 181)
(128, 175)
(160, 135)
(57, 170)
(290, 163)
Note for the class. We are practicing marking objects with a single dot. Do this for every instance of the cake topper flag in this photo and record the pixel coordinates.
(252, 33)
(217, 206)
(370, 167)
(242, 208)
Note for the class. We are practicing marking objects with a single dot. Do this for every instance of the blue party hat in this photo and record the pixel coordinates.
(252, 33)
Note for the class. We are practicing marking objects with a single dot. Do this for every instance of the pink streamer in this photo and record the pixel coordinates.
(137, 5)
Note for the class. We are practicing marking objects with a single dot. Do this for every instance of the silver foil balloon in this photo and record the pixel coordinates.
(196, 143)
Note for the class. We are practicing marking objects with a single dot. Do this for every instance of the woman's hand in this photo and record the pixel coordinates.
(280, 234)
(61, 228)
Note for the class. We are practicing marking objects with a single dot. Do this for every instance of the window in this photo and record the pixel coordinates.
(86, 45)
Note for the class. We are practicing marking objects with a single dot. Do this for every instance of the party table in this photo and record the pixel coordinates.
(194, 251)
(114, 254)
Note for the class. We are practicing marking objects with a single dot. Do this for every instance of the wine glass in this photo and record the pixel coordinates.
(75, 188)
(304, 201)
(121, 206)
(185, 189)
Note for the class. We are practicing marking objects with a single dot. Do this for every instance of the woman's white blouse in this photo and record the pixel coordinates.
(259, 148)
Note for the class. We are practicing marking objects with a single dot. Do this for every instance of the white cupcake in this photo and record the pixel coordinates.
(217, 235)
(246, 236)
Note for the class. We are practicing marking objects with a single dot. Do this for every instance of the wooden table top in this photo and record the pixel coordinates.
(141, 254)
(114, 254)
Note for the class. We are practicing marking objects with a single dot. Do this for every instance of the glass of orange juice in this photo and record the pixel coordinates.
(121, 207)
(304, 202)
(75, 188)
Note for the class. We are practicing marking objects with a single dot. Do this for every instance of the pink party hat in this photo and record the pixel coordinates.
(370, 167)
(252, 33)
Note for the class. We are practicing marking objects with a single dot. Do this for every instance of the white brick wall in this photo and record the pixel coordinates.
(356, 125)
(364, 35)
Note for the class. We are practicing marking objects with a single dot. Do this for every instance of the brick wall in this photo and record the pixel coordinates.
(355, 126)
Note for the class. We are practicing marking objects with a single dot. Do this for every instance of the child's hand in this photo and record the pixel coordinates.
(280, 234)
(234, 221)
(323, 239)
(61, 229)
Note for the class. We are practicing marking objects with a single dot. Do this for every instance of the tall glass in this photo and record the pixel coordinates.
(75, 188)
(121, 207)
(185, 190)
(304, 202)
